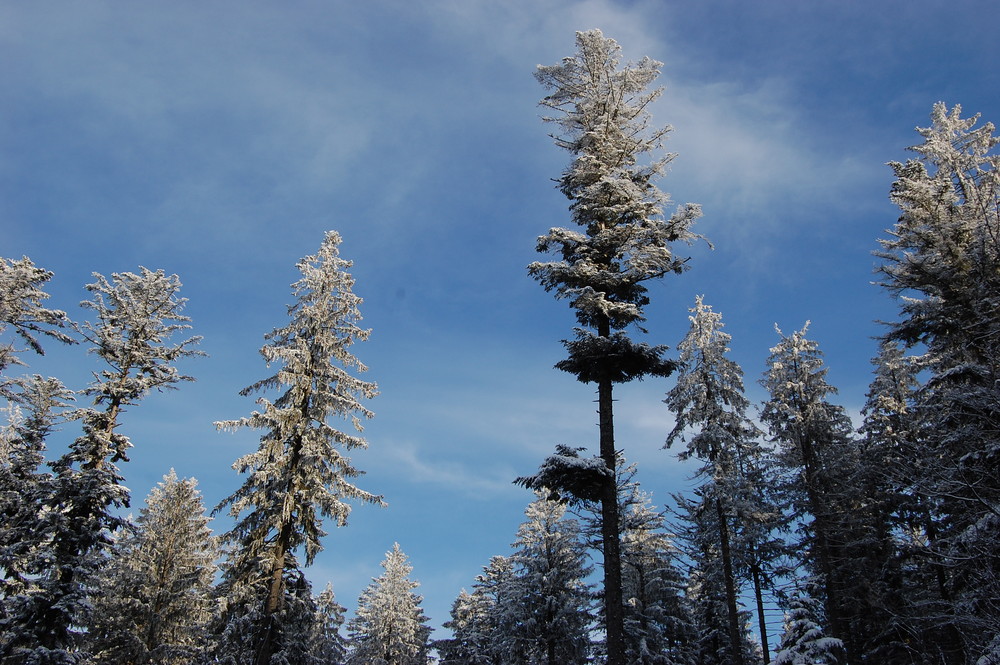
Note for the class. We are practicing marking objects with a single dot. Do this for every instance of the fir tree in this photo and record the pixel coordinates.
(328, 646)
(497, 597)
(602, 111)
(706, 599)
(390, 627)
(157, 599)
(940, 263)
(24, 487)
(803, 641)
(658, 628)
(299, 630)
(817, 450)
(299, 473)
(137, 316)
(709, 399)
(549, 560)
(889, 573)
(472, 634)
(304, 625)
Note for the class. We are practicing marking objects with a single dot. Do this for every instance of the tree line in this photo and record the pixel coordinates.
(878, 543)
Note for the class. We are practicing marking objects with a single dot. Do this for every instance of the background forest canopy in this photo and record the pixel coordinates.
(800, 535)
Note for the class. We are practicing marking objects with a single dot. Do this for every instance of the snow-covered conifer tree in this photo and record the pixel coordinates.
(624, 241)
(819, 454)
(889, 441)
(304, 625)
(300, 473)
(390, 627)
(889, 573)
(705, 594)
(156, 602)
(554, 598)
(24, 491)
(472, 632)
(940, 263)
(706, 597)
(804, 641)
(21, 309)
(497, 596)
(328, 646)
(709, 400)
(23, 486)
(137, 317)
(658, 629)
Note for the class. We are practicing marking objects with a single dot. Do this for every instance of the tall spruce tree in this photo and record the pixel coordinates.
(299, 473)
(625, 240)
(473, 635)
(819, 455)
(327, 644)
(710, 411)
(891, 570)
(157, 600)
(697, 533)
(390, 627)
(497, 602)
(940, 262)
(24, 491)
(137, 316)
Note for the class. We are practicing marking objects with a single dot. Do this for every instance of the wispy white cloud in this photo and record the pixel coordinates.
(406, 461)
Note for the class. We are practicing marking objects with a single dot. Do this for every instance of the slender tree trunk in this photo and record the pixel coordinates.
(276, 592)
(735, 643)
(613, 610)
(758, 593)
(610, 533)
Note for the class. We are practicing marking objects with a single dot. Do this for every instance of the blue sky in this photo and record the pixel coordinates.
(220, 140)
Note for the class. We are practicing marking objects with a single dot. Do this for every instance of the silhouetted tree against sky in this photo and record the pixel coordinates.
(601, 110)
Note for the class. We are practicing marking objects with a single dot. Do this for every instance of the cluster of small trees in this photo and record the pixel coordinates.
(531, 606)
(880, 543)
(539, 604)
(82, 584)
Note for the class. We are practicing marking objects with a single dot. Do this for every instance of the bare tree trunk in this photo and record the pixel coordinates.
(758, 593)
(613, 609)
(735, 643)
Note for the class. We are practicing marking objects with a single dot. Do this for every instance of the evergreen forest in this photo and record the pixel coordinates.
(865, 539)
